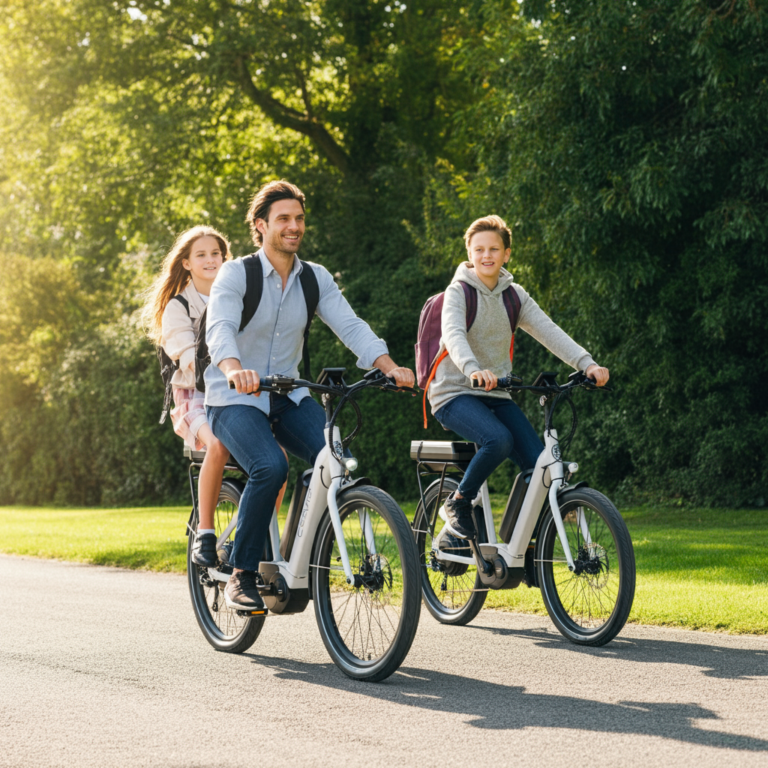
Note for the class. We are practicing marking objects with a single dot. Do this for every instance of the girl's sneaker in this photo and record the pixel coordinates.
(204, 550)
(457, 514)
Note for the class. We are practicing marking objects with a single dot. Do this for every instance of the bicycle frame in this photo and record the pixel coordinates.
(549, 476)
(547, 468)
(328, 475)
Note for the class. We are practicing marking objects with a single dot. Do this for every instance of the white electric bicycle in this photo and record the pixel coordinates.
(568, 540)
(346, 545)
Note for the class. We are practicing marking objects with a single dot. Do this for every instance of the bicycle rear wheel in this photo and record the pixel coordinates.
(221, 626)
(368, 626)
(591, 604)
(452, 592)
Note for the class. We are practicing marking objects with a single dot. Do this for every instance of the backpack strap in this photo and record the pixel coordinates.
(470, 299)
(254, 287)
(184, 303)
(512, 305)
(311, 289)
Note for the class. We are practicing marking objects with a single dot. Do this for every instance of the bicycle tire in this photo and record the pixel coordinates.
(440, 584)
(591, 607)
(221, 626)
(382, 614)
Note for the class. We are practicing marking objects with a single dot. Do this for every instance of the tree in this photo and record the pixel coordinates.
(628, 144)
(149, 117)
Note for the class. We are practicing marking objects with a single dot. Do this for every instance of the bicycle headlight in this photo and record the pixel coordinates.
(350, 464)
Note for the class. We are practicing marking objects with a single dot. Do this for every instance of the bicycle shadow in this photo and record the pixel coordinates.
(509, 707)
(715, 661)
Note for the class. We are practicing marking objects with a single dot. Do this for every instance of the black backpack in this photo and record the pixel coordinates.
(168, 367)
(254, 286)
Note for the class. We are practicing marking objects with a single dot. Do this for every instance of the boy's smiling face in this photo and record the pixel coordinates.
(487, 253)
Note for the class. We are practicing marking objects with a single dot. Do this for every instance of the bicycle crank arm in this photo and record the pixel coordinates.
(493, 574)
(270, 590)
(482, 564)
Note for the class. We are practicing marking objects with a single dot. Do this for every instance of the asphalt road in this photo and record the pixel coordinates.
(106, 667)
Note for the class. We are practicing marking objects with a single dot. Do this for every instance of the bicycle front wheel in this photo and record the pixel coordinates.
(368, 626)
(221, 626)
(589, 605)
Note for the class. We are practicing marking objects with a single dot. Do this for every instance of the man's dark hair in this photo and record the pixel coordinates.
(262, 202)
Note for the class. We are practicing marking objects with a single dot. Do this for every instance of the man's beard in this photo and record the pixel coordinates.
(280, 245)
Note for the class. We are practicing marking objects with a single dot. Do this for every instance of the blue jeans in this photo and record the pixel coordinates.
(253, 439)
(500, 430)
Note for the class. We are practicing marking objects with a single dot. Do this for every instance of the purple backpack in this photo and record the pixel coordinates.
(430, 331)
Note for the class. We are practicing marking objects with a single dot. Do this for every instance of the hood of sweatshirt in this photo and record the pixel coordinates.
(466, 274)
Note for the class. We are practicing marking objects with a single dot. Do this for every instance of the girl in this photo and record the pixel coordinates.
(189, 271)
(485, 415)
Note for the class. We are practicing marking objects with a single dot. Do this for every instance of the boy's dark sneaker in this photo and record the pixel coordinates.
(241, 593)
(457, 514)
(204, 550)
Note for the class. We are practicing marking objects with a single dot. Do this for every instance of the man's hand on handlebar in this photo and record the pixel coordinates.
(486, 379)
(246, 382)
(598, 374)
(403, 376)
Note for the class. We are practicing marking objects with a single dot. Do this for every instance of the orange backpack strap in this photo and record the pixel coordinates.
(429, 381)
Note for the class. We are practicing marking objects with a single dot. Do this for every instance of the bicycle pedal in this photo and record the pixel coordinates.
(248, 614)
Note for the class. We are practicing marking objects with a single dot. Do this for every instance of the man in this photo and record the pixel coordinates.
(254, 427)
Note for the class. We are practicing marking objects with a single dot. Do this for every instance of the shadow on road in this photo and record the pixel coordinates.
(715, 661)
(500, 707)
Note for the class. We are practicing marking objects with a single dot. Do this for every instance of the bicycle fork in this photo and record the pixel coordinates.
(337, 472)
(557, 475)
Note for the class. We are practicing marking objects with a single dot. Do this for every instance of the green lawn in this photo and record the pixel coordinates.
(699, 569)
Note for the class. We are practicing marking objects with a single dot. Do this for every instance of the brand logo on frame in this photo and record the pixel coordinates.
(556, 452)
(304, 512)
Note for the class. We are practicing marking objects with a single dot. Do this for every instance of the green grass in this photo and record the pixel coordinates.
(697, 569)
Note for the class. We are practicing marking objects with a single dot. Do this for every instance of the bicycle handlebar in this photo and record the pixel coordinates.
(513, 383)
(285, 384)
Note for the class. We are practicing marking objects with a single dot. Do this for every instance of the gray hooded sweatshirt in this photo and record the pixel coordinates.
(486, 345)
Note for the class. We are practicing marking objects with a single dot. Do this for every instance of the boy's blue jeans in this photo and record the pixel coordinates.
(254, 440)
(500, 430)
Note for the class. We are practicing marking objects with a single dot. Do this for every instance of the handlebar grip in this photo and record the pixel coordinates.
(232, 386)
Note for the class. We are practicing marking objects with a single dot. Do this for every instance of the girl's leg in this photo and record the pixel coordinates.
(470, 417)
(211, 473)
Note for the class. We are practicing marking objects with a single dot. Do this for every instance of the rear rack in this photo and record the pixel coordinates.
(438, 457)
(196, 460)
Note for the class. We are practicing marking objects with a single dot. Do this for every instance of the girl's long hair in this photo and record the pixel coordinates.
(173, 278)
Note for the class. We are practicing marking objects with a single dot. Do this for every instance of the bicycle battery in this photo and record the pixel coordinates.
(514, 505)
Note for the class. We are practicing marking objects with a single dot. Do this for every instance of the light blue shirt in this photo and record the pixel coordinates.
(273, 340)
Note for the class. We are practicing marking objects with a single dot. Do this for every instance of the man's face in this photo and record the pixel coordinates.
(285, 228)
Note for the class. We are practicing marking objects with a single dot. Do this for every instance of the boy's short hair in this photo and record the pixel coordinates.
(263, 199)
(491, 223)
